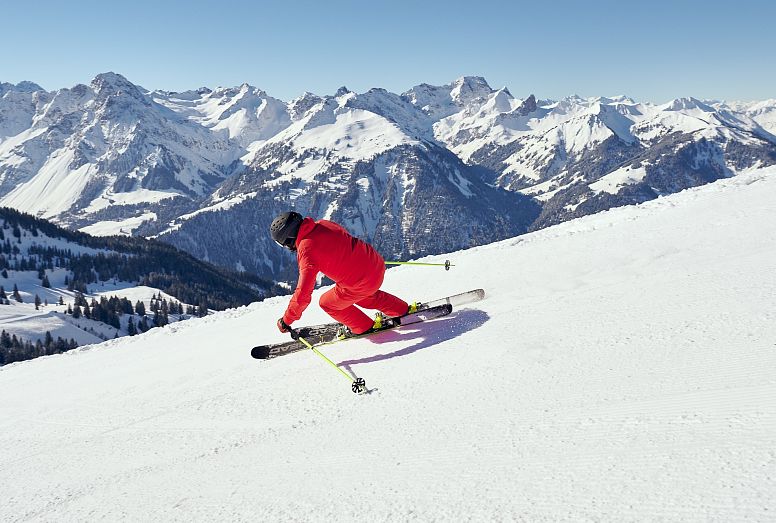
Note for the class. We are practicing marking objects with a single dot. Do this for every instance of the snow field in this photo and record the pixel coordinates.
(620, 369)
(24, 321)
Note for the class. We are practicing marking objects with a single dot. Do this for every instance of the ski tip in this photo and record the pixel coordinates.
(260, 353)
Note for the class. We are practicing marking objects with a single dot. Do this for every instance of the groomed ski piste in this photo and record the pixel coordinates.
(621, 368)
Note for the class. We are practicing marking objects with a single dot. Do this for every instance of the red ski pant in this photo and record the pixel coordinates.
(340, 303)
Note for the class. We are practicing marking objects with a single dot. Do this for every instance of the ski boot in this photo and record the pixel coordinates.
(381, 322)
(343, 332)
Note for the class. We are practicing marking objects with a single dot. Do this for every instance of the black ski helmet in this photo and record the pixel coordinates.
(284, 229)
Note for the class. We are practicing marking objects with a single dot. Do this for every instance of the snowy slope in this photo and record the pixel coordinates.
(246, 114)
(368, 161)
(620, 369)
(28, 323)
(48, 265)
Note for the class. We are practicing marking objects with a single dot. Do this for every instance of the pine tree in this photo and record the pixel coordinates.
(131, 330)
(2, 293)
(77, 312)
(165, 313)
(202, 307)
(16, 295)
(79, 298)
(61, 301)
(37, 302)
(45, 282)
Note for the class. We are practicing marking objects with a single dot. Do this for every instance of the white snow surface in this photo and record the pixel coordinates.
(23, 320)
(118, 227)
(619, 369)
(247, 114)
(54, 189)
(615, 180)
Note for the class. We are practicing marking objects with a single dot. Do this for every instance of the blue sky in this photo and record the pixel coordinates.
(651, 51)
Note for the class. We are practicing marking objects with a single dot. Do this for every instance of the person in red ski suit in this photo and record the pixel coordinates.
(355, 266)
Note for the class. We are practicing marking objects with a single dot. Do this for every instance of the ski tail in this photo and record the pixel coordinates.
(457, 300)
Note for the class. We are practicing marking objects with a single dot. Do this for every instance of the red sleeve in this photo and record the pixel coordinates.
(308, 272)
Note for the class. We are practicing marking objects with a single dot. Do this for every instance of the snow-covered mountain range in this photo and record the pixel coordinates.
(434, 169)
(628, 379)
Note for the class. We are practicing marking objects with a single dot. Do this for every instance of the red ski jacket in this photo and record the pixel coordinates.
(326, 247)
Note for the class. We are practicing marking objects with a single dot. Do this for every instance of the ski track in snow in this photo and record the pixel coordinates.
(619, 369)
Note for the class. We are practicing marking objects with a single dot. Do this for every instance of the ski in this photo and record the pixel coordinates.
(322, 333)
(327, 333)
(456, 300)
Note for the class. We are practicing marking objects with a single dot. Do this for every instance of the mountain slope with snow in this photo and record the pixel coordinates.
(368, 161)
(434, 169)
(620, 369)
(47, 272)
(86, 152)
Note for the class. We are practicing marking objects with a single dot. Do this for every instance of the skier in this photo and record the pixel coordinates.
(354, 265)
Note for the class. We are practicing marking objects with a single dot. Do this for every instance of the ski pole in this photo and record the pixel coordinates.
(358, 386)
(446, 265)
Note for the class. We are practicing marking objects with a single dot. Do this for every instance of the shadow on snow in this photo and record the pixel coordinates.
(429, 334)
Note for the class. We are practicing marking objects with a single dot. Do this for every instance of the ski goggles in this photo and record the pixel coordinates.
(288, 243)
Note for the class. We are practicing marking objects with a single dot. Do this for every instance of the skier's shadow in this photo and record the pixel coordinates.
(429, 334)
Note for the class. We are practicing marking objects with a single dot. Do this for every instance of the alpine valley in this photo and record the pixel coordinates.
(431, 170)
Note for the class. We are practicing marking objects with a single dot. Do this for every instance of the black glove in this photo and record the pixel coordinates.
(283, 326)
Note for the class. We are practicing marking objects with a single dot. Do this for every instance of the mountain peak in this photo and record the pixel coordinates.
(299, 106)
(467, 89)
(114, 83)
(528, 106)
(28, 87)
(471, 81)
(22, 87)
(680, 104)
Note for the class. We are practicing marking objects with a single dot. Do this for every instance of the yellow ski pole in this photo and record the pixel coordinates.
(358, 386)
(446, 265)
